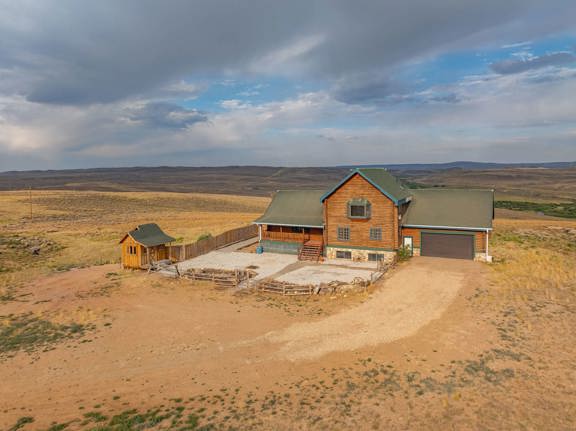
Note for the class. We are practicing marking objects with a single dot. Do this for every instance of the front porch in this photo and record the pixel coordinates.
(298, 234)
(306, 242)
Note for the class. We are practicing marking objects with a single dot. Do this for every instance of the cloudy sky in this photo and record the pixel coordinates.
(299, 82)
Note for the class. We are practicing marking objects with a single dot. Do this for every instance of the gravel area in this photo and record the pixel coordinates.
(266, 263)
(316, 274)
(412, 297)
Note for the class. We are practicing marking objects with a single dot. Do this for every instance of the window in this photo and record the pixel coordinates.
(359, 209)
(343, 234)
(375, 257)
(340, 254)
(376, 233)
(296, 229)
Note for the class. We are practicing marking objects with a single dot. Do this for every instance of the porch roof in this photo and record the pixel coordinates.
(294, 208)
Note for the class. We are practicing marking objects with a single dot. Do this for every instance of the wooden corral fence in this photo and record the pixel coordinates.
(182, 252)
(291, 289)
(222, 278)
(283, 288)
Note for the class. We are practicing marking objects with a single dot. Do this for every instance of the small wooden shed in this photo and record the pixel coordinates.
(144, 245)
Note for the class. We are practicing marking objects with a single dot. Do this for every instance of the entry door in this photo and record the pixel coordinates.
(407, 243)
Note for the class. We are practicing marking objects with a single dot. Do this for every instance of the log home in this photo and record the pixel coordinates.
(369, 216)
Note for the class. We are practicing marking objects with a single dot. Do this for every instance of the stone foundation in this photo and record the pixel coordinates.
(481, 257)
(359, 255)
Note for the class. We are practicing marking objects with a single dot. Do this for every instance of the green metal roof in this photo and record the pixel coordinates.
(380, 178)
(450, 208)
(150, 235)
(294, 208)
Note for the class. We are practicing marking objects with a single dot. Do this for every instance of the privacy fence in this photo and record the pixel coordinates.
(188, 251)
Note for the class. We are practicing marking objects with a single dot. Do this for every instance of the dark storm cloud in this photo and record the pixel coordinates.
(165, 115)
(83, 52)
(367, 88)
(508, 67)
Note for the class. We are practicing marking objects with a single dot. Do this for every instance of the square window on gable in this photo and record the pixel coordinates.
(359, 209)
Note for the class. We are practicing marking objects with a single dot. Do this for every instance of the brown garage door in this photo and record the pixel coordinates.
(447, 245)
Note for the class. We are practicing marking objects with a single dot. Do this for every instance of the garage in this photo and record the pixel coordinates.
(458, 246)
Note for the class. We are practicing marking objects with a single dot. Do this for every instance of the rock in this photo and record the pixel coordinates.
(35, 250)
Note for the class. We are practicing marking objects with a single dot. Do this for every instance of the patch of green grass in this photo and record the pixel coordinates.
(94, 416)
(204, 236)
(29, 333)
(565, 210)
(21, 423)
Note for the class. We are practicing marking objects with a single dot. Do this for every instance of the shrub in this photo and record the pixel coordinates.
(404, 253)
(204, 236)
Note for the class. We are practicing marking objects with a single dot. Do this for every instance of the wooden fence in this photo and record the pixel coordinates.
(188, 251)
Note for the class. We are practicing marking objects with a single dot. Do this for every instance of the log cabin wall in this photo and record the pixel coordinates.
(384, 215)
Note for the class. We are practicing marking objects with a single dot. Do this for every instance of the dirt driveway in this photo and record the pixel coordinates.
(411, 298)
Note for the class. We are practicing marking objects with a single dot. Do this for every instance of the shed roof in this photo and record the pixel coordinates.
(149, 235)
(294, 208)
(451, 208)
(380, 178)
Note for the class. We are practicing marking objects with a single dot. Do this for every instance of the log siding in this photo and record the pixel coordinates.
(384, 215)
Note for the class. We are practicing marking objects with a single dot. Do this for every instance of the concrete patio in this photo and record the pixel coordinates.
(282, 267)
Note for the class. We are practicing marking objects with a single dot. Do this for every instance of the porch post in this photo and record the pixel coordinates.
(259, 233)
(487, 254)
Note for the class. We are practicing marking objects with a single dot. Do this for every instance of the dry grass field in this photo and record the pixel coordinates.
(529, 184)
(87, 346)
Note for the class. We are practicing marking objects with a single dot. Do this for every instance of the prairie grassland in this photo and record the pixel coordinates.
(501, 357)
(526, 184)
(78, 229)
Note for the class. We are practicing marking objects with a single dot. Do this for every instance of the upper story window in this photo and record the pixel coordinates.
(359, 209)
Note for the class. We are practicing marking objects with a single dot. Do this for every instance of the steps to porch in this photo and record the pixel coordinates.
(310, 251)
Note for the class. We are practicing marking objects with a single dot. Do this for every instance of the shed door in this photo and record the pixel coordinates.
(459, 246)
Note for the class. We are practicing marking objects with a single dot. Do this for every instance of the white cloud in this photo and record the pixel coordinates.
(79, 89)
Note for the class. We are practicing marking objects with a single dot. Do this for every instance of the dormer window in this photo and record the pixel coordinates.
(359, 209)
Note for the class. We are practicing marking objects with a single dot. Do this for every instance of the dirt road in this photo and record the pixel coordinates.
(408, 300)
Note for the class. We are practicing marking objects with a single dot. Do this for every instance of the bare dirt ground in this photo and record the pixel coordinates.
(437, 345)
(154, 337)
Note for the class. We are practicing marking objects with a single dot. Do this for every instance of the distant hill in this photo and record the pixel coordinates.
(264, 180)
(470, 166)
